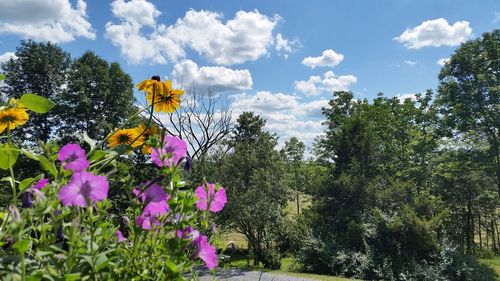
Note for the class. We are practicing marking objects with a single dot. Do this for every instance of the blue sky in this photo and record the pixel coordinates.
(279, 58)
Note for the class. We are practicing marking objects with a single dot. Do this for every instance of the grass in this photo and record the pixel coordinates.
(288, 268)
(493, 262)
(312, 276)
(240, 261)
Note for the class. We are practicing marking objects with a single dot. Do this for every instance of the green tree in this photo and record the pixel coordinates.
(469, 92)
(294, 152)
(99, 97)
(39, 68)
(252, 173)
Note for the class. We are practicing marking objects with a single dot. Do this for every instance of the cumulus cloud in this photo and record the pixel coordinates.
(6, 56)
(245, 37)
(57, 20)
(435, 33)
(443, 61)
(286, 115)
(216, 78)
(328, 58)
(316, 85)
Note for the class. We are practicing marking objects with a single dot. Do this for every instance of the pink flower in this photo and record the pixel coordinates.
(82, 187)
(172, 152)
(209, 199)
(41, 184)
(155, 199)
(204, 250)
(185, 233)
(119, 236)
(72, 157)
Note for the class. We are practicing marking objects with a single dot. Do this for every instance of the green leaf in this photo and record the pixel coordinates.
(22, 246)
(47, 165)
(8, 155)
(30, 154)
(72, 277)
(25, 183)
(171, 266)
(101, 262)
(2, 77)
(36, 103)
(97, 155)
(36, 276)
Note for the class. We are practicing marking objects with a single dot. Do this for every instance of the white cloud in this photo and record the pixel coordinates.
(403, 97)
(435, 33)
(497, 17)
(6, 56)
(245, 37)
(443, 61)
(136, 12)
(316, 85)
(328, 58)
(285, 46)
(55, 20)
(216, 78)
(410, 62)
(286, 115)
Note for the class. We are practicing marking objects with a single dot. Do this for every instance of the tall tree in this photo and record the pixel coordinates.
(39, 68)
(99, 97)
(294, 151)
(469, 92)
(252, 174)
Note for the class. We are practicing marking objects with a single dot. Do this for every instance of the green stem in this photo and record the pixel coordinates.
(114, 132)
(11, 170)
(23, 268)
(133, 141)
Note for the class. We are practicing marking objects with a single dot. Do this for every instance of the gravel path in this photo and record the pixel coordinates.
(241, 275)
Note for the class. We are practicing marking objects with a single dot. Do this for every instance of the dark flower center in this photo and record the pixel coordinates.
(71, 158)
(86, 189)
(156, 77)
(124, 138)
(8, 118)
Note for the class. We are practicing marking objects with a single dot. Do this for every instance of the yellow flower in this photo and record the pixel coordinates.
(152, 130)
(168, 100)
(153, 84)
(125, 136)
(12, 117)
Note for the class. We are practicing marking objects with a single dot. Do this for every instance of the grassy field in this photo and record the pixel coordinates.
(313, 276)
(493, 263)
(240, 259)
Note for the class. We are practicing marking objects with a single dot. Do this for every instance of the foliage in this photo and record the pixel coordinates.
(252, 172)
(469, 93)
(97, 99)
(39, 68)
(64, 229)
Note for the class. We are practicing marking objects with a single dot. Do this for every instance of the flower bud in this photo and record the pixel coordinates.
(14, 213)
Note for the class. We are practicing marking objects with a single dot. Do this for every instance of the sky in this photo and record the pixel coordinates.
(282, 59)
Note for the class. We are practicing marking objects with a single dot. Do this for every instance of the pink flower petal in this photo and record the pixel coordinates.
(218, 201)
(119, 236)
(173, 150)
(82, 187)
(73, 157)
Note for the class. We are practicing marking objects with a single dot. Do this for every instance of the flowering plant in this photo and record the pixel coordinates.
(59, 226)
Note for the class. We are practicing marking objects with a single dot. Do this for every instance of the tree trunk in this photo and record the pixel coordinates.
(479, 229)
